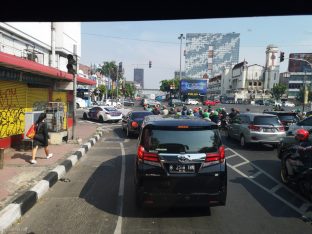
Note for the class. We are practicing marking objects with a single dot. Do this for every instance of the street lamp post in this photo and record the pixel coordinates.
(181, 37)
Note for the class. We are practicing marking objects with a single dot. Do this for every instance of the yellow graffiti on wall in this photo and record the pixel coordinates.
(59, 96)
(37, 99)
(12, 108)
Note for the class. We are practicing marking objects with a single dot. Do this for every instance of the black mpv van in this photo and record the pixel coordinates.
(180, 161)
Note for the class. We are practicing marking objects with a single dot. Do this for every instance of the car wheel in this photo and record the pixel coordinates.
(85, 116)
(101, 119)
(284, 172)
(242, 141)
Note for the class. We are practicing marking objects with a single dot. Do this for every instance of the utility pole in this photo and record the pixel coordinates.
(181, 37)
(74, 93)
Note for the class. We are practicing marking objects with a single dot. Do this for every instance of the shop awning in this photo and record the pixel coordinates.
(11, 61)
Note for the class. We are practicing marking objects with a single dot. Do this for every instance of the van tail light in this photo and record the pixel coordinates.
(254, 128)
(134, 124)
(147, 156)
(217, 156)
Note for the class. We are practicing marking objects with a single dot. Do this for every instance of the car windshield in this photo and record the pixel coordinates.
(140, 114)
(110, 109)
(189, 141)
(266, 120)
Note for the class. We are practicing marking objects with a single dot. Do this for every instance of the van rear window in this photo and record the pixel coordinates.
(181, 141)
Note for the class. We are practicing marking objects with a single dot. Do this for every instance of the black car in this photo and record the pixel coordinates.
(175, 102)
(180, 161)
(286, 118)
(131, 123)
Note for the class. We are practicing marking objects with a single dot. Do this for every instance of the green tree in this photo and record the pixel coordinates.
(165, 85)
(278, 90)
(110, 69)
(129, 90)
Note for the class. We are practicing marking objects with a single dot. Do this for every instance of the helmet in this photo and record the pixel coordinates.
(302, 135)
(206, 114)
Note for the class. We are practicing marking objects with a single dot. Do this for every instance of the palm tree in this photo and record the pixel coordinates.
(110, 69)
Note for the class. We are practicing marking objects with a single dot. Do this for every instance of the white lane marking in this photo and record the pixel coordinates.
(121, 191)
(272, 178)
(276, 187)
(268, 191)
(231, 156)
(304, 207)
(240, 164)
(255, 175)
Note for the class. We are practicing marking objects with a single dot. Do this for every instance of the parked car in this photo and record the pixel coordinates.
(256, 128)
(288, 104)
(209, 103)
(305, 124)
(287, 118)
(112, 102)
(103, 114)
(131, 123)
(190, 101)
(128, 102)
(175, 102)
(180, 161)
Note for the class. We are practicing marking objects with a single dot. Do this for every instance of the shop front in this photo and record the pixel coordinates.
(26, 86)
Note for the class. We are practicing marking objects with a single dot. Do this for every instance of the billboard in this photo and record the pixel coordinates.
(193, 87)
(297, 65)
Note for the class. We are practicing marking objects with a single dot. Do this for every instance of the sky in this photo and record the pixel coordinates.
(135, 43)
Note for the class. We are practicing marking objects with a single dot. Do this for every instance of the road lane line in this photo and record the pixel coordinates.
(272, 178)
(121, 190)
(231, 156)
(255, 175)
(304, 207)
(241, 164)
(268, 191)
(276, 187)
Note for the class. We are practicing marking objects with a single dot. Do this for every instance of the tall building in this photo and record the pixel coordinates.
(177, 74)
(208, 53)
(138, 77)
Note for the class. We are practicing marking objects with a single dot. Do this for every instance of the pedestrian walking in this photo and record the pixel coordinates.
(41, 138)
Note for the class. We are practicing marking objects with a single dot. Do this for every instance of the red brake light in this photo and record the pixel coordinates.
(281, 129)
(147, 156)
(254, 128)
(218, 156)
(134, 124)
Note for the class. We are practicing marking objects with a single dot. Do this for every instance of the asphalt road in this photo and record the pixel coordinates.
(98, 197)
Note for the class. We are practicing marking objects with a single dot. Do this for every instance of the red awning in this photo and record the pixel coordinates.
(11, 61)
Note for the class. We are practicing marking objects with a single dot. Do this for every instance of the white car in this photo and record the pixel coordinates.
(288, 104)
(191, 102)
(112, 102)
(103, 114)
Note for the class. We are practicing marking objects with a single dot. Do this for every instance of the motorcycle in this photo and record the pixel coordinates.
(301, 166)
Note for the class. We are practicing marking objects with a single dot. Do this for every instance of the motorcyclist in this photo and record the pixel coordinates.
(232, 114)
(184, 110)
(295, 161)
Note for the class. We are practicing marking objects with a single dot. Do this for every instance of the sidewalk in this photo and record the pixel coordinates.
(18, 175)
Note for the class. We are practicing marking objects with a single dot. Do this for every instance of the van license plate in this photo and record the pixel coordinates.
(181, 168)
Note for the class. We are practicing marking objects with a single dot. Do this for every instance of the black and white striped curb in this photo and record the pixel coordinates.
(26, 201)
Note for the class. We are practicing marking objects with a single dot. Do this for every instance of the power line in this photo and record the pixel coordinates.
(176, 43)
(132, 39)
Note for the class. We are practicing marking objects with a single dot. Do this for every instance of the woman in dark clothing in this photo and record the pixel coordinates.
(41, 138)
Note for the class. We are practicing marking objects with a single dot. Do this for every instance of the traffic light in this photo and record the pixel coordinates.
(71, 64)
(150, 64)
(281, 56)
(120, 67)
